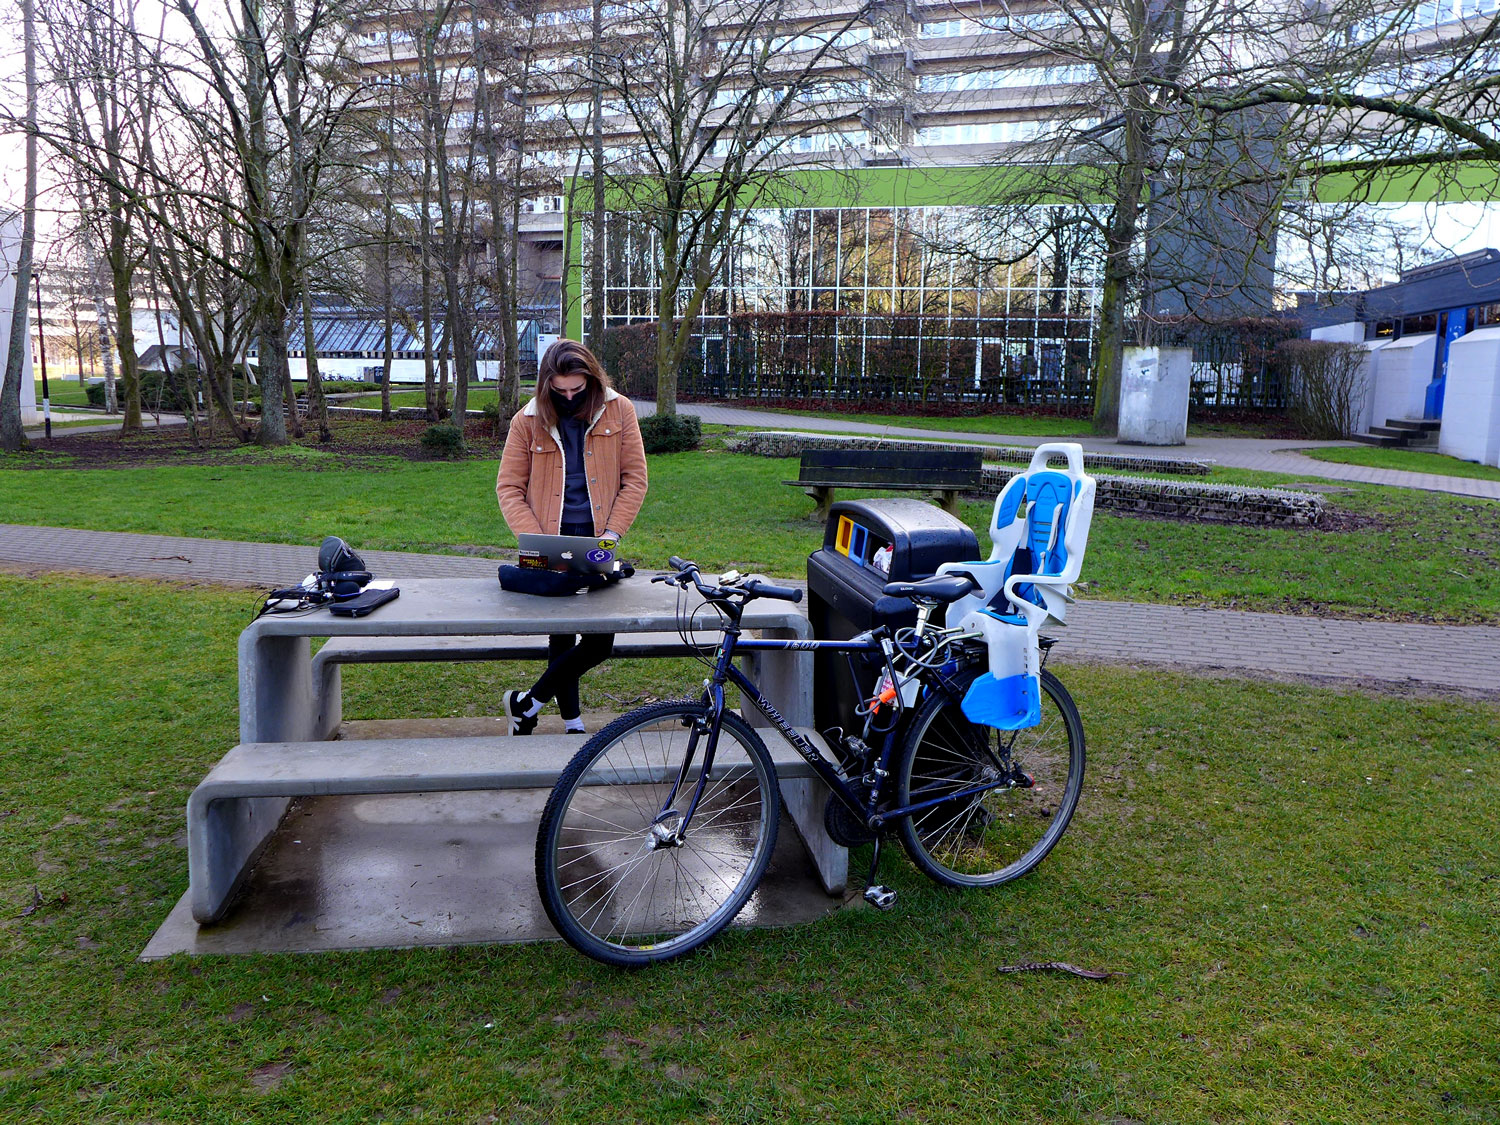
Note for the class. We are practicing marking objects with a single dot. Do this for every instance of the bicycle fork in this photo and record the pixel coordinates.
(669, 828)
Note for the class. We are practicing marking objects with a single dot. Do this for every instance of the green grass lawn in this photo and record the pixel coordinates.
(73, 421)
(1301, 887)
(63, 392)
(1404, 553)
(1407, 460)
(479, 396)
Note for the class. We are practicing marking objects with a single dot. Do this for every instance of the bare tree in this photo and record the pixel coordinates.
(707, 105)
(94, 69)
(282, 134)
(1180, 205)
(213, 301)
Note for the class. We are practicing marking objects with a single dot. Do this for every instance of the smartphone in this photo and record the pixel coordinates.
(365, 603)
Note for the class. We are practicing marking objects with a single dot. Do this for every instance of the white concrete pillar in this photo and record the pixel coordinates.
(1154, 388)
(1403, 368)
(1471, 398)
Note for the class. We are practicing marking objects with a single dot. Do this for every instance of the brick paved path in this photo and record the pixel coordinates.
(1463, 658)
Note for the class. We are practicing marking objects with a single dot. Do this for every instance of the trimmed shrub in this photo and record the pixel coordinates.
(1326, 384)
(443, 440)
(158, 391)
(671, 433)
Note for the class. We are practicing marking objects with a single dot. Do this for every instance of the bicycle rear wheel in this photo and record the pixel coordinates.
(615, 879)
(1002, 833)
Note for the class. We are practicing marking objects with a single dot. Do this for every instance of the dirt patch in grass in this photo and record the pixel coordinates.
(1332, 519)
(1341, 519)
(1399, 689)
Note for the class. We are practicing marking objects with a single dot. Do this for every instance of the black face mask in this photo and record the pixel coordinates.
(566, 407)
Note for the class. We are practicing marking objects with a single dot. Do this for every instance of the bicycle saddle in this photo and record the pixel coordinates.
(940, 588)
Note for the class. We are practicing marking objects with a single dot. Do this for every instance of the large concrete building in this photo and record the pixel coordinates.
(916, 104)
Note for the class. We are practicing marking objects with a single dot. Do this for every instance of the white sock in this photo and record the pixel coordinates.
(574, 726)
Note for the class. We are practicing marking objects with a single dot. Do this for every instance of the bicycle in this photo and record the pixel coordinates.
(658, 831)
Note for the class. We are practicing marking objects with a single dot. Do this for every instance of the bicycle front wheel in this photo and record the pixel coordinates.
(619, 876)
(999, 834)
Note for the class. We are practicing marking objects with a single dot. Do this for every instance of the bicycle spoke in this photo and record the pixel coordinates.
(626, 892)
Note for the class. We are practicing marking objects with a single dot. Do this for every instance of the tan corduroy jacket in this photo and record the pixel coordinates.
(530, 484)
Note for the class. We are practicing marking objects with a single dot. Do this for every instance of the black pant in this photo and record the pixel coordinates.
(570, 655)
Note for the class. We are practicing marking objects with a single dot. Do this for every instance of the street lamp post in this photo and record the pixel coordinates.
(41, 347)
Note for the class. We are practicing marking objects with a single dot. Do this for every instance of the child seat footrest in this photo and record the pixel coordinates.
(1011, 703)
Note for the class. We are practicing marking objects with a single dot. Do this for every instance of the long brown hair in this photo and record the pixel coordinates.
(569, 357)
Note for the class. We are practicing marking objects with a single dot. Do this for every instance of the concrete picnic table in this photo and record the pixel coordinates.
(289, 710)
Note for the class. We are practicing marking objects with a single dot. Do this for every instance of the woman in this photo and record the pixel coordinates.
(573, 465)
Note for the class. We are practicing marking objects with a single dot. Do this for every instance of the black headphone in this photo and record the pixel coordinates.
(341, 575)
(341, 572)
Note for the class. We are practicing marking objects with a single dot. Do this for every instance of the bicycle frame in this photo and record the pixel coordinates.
(875, 641)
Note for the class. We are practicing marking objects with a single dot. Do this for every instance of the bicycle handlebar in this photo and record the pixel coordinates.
(766, 590)
(752, 588)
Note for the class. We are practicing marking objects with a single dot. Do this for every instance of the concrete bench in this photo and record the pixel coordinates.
(339, 651)
(943, 473)
(233, 810)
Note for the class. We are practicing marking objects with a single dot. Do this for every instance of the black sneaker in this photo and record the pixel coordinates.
(516, 703)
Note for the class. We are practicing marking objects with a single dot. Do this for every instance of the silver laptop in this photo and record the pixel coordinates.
(586, 554)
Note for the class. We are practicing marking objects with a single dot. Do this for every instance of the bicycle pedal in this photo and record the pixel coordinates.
(882, 898)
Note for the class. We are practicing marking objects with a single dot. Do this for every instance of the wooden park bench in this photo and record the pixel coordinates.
(943, 473)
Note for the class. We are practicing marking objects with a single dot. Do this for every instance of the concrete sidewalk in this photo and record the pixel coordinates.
(1413, 657)
(1270, 455)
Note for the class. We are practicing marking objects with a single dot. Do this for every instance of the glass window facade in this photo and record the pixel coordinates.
(968, 296)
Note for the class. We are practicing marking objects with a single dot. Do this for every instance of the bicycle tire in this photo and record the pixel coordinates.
(611, 888)
(999, 835)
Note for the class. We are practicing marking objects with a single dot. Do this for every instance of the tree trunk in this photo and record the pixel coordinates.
(461, 342)
(1118, 244)
(176, 378)
(429, 380)
(121, 278)
(317, 405)
(106, 344)
(596, 323)
(273, 382)
(12, 435)
(388, 313)
(668, 357)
